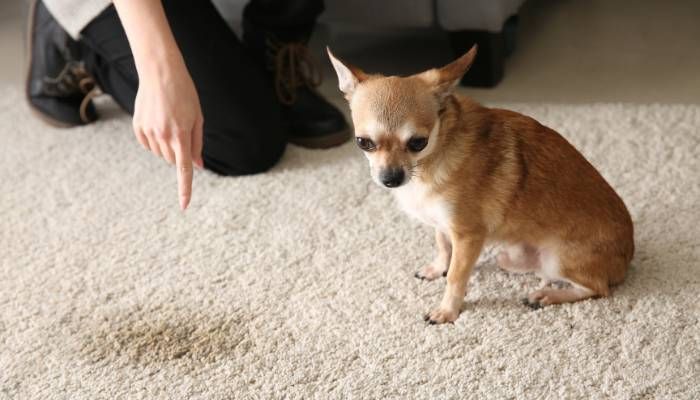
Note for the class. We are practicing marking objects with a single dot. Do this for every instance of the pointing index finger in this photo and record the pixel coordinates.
(183, 161)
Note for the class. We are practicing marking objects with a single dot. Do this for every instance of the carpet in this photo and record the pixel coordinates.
(298, 283)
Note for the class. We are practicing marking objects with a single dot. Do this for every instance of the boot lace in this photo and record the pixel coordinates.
(294, 67)
(73, 79)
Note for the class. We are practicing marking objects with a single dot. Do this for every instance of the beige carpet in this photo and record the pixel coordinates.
(299, 283)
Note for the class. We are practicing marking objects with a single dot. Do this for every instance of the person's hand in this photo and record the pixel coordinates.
(168, 121)
(167, 115)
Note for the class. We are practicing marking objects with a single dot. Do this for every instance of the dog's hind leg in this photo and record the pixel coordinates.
(545, 297)
(585, 270)
(519, 258)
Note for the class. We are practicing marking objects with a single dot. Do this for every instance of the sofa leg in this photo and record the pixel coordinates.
(494, 47)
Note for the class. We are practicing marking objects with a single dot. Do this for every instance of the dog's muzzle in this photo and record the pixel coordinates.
(392, 177)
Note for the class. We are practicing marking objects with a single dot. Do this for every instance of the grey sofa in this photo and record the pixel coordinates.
(489, 23)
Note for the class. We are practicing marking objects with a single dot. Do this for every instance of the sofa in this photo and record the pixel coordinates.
(492, 24)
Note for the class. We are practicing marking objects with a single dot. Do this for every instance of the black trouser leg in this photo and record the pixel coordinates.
(278, 20)
(243, 128)
(288, 20)
(276, 32)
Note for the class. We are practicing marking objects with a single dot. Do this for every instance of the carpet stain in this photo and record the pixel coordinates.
(144, 340)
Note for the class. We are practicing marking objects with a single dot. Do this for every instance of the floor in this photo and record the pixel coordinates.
(298, 283)
(569, 51)
(11, 41)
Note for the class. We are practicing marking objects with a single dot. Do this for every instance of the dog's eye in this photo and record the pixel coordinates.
(417, 144)
(365, 144)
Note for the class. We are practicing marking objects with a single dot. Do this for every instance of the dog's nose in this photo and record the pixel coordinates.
(392, 177)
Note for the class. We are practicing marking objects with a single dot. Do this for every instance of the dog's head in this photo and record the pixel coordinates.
(396, 119)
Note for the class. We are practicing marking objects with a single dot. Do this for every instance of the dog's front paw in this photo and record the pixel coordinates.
(441, 316)
(430, 273)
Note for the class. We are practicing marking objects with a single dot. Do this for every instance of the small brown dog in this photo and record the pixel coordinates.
(481, 176)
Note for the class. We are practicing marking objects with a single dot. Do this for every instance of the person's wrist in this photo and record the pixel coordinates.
(159, 62)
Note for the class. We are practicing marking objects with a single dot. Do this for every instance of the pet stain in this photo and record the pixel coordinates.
(197, 339)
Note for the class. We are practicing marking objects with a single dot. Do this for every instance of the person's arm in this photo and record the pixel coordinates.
(167, 115)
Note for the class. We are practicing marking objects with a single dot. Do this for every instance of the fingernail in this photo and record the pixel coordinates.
(183, 203)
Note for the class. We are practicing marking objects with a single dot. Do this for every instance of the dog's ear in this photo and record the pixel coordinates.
(443, 80)
(348, 76)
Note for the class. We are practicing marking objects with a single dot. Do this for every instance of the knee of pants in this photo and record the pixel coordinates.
(230, 152)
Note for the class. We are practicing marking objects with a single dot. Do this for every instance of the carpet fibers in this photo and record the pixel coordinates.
(298, 283)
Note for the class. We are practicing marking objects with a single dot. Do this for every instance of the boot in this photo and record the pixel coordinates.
(58, 88)
(314, 122)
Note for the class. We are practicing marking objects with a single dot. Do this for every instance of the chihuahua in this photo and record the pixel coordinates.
(483, 176)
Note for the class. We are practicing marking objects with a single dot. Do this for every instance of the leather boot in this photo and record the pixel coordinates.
(58, 88)
(314, 122)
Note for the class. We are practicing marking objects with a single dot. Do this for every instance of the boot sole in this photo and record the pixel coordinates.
(322, 142)
(30, 42)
